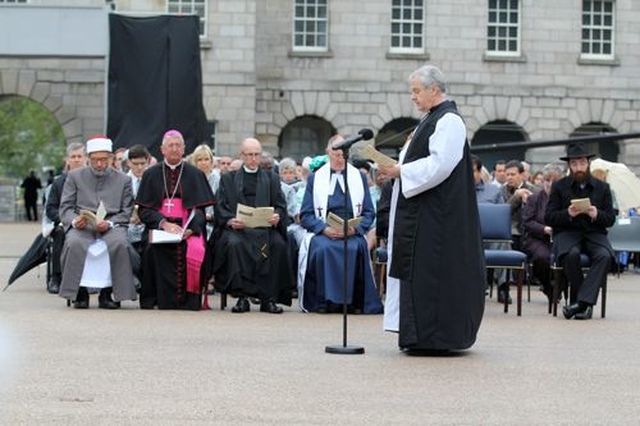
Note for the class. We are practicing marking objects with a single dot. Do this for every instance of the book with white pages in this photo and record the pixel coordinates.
(159, 236)
(254, 217)
(582, 204)
(336, 222)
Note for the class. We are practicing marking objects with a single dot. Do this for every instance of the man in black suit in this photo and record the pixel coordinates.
(581, 229)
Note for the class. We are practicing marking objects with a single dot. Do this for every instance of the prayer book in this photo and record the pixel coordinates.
(582, 204)
(93, 218)
(159, 236)
(335, 221)
(254, 217)
(369, 152)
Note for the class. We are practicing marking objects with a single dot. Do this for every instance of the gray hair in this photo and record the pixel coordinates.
(428, 75)
(74, 146)
(287, 163)
(553, 169)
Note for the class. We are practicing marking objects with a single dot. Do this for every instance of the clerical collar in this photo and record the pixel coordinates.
(248, 170)
(338, 172)
(172, 167)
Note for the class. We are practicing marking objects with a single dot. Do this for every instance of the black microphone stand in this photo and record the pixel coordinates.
(345, 349)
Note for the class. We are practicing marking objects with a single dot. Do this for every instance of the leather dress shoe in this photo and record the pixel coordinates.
(571, 310)
(108, 304)
(270, 307)
(53, 286)
(105, 301)
(242, 305)
(82, 299)
(586, 314)
(81, 304)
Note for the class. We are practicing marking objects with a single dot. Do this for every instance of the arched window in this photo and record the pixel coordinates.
(497, 132)
(305, 136)
(607, 150)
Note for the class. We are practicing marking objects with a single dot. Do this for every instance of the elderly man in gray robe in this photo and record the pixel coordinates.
(95, 209)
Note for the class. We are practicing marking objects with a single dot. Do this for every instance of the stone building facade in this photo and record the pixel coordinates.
(256, 83)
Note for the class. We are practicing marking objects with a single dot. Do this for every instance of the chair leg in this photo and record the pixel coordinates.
(519, 292)
(553, 306)
(223, 300)
(382, 287)
(603, 299)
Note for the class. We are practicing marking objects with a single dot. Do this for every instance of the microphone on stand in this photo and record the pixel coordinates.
(363, 134)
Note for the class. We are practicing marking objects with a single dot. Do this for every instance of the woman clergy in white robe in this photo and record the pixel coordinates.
(321, 261)
(436, 276)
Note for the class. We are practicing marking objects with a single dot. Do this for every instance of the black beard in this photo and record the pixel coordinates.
(580, 176)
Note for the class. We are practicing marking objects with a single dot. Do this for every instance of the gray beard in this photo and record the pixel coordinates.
(97, 173)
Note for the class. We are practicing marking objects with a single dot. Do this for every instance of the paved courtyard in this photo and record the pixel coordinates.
(60, 366)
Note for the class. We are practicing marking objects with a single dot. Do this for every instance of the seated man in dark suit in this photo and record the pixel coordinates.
(75, 159)
(252, 262)
(581, 230)
(537, 233)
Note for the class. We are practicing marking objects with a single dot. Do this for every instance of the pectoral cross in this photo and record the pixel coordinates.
(168, 205)
(359, 207)
(319, 211)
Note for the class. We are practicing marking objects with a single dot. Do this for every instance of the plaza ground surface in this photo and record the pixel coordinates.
(63, 366)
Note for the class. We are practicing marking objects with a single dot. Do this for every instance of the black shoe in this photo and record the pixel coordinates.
(575, 308)
(501, 296)
(82, 299)
(242, 305)
(270, 307)
(53, 286)
(255, 301)
(105, 301)
(81, 304)
(586, 314)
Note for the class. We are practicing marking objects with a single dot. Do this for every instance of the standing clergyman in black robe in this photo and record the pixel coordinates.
(172, 197)
(436, 279)
(252, 262)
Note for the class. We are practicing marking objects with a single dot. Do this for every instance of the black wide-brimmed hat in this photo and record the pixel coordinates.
(576, 150)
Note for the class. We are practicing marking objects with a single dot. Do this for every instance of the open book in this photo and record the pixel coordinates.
(93, 218)
(158, 236)
(335, 221)
(369, 152)
(254, 217)
(582, 204)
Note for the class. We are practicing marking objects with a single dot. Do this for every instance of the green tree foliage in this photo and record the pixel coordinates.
(30, 138)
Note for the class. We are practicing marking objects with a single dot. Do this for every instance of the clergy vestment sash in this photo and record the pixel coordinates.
(322, 189)
(172, 209)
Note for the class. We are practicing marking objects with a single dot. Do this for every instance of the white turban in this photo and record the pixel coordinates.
(99, 143)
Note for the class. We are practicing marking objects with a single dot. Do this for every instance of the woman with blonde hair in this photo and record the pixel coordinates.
(202, 158)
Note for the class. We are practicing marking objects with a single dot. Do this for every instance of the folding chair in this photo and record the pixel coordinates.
(559, 283)
(495, 224)
(624, 235)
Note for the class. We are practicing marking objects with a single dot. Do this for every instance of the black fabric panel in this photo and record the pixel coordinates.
(155, 81)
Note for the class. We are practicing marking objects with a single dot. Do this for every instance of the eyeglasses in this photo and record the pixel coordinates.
(100, 159)
(252, 154)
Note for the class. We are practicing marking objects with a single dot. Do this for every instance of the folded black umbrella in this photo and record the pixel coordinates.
(34, 256)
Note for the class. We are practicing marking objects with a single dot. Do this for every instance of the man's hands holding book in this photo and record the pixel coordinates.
(580, 206)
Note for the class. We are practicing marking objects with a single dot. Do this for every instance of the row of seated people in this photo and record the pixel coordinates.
(172, 196)
(546, 224)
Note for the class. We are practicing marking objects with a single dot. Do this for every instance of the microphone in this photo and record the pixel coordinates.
(363, 134)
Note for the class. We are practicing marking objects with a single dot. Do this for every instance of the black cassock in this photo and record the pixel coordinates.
(252, 262)
(437, 253)
(164, 267)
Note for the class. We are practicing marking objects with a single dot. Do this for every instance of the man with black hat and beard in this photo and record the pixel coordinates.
(580, 210)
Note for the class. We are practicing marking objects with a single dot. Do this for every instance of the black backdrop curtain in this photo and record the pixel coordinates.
(155, 81)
